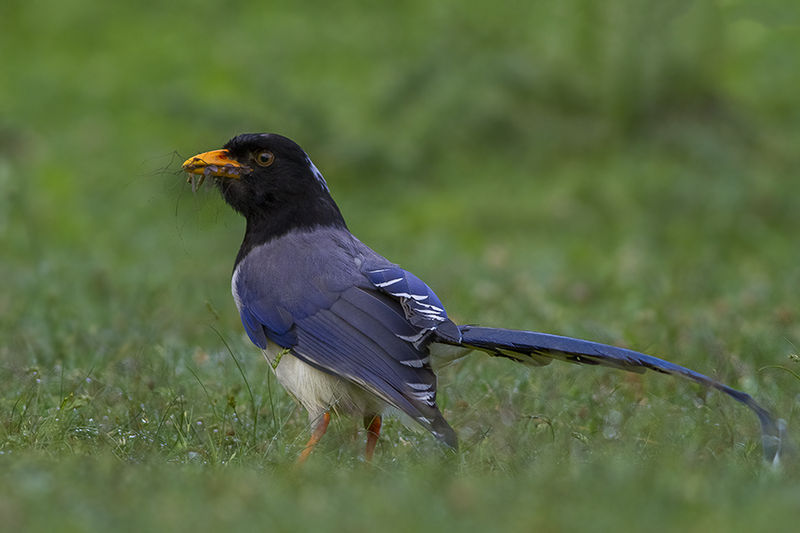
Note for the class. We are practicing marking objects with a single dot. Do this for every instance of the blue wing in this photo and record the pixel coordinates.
(420, 304)
(262, 321)
(340, 323)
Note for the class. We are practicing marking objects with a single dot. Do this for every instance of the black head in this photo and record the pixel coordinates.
(271, 181)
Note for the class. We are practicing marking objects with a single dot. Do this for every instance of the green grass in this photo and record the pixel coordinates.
(620, 171)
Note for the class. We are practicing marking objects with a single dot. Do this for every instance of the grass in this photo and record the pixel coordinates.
(624, 172)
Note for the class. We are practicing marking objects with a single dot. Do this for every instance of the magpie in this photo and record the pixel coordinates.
(347, 330)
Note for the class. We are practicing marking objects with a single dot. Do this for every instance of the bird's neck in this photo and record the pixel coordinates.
(266, 226)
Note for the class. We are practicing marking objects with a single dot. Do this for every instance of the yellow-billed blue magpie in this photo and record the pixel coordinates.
(346, 329)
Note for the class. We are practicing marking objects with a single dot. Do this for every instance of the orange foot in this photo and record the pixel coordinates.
(373, 425)
(319, 431)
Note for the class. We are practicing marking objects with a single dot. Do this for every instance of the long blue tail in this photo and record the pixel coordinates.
(540, 348)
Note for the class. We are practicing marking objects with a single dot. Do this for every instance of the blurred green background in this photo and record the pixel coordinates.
(624, 171)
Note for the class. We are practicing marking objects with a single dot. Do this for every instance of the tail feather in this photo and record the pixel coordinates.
(539, 348)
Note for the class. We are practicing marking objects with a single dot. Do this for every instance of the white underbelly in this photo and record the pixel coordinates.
(317, 391)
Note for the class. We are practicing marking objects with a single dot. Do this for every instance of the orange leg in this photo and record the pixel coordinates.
(373, 425)
(319, 431)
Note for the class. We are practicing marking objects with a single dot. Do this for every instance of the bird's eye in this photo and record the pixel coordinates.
(265, 158)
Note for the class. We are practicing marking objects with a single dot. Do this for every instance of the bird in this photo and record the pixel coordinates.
(347, 331)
